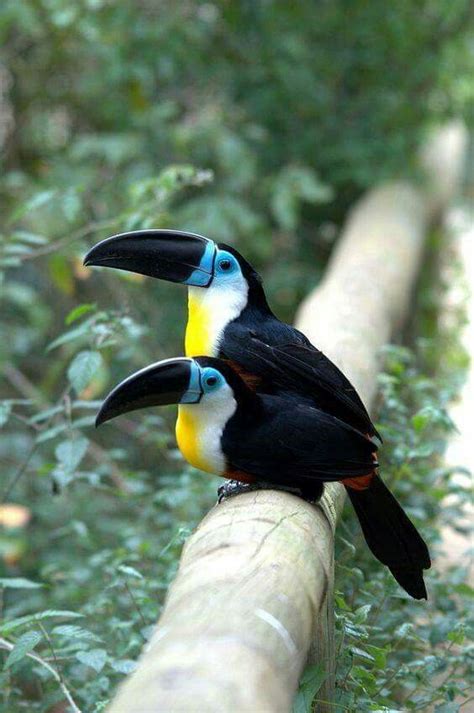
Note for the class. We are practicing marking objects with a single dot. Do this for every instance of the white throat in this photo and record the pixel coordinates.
(211, 309)
(199, 430)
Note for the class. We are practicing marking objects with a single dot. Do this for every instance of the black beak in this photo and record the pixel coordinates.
(166, 254)
(171, 381)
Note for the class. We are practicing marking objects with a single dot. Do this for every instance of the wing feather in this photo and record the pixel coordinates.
(302, 368)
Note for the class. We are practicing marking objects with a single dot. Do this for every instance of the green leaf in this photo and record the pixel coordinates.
(379, 655)
(17, 249)
(19, 583)
(83, 368)
(70, 631)
(28, 237)
(362, 675)
(84, 421)
(129, 571)
(82, 330)
(95, 658)
(37, 201)
(10, 262)
(51, 433)
(458, 634)
(403, 630)
(464, 589)
(362, 654)
(420, 420)
(23, 646)
(341, 602)
(79, 311)
(8, 626)
(361, 614)
(449, 707)
(311, 681)
(124, 666)
(5, 411)
(70, 453)
(46, 414)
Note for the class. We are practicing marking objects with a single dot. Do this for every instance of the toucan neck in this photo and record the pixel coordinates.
(257, 301)
(210, 310)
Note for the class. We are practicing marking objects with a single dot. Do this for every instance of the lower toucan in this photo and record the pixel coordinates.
(229, 317)
(227, 428)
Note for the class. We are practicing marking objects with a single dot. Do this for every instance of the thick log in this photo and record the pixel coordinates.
(253, 590)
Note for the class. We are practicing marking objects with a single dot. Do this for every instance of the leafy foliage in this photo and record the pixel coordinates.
(393, 653)
(255, 123)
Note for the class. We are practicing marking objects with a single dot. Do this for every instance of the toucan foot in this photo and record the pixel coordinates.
(235, 487)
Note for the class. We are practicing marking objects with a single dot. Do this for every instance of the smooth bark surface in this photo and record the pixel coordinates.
(251, 596)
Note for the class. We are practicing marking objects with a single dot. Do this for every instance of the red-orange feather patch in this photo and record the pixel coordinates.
(239, 475)
(252, 381)
(361, 482)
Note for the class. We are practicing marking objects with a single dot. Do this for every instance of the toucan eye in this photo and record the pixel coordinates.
(225, 264)
(211, 380)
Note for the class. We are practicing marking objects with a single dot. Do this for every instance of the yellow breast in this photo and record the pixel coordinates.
(198, 340)
(190, 438)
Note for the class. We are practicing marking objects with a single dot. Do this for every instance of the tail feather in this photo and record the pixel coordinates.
(391, 536)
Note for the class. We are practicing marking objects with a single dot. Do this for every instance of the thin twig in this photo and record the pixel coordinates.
(21, 470)
(50, 644)
(135, 603)
(4, 644)
(22, 384)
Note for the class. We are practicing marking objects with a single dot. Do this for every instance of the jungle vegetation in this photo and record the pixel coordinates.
(258, 124)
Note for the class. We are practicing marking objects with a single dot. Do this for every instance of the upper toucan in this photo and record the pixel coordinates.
(226, 427)
(229, 317)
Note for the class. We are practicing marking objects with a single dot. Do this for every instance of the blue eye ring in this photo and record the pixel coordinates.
(211, 379)
(225, 264)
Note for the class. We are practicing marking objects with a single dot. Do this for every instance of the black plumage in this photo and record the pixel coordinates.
(284, 358)
(295, 443)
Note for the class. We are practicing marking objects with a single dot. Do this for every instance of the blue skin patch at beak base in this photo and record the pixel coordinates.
(194, 391)
(202, 277)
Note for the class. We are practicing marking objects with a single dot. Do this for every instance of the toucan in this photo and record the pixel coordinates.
(229, 317)
(226, 427)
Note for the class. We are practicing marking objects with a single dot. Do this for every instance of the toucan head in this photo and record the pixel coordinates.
(175, 256)
(201, 380)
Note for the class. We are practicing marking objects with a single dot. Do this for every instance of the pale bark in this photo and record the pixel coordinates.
(251, 595)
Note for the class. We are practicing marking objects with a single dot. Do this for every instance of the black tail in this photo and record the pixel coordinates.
(391, 536)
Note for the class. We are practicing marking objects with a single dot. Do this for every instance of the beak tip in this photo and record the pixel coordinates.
(100, 419)
(89, 260)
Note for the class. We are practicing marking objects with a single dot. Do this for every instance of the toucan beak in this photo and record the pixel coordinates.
(171, 381)
(166, 254)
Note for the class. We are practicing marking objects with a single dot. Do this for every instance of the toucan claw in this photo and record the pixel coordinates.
(235, 487)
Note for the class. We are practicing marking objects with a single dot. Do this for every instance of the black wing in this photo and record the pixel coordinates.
(294, 443)
(284, 356)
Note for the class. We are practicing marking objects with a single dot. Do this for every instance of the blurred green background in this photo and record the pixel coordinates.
(257, 123)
